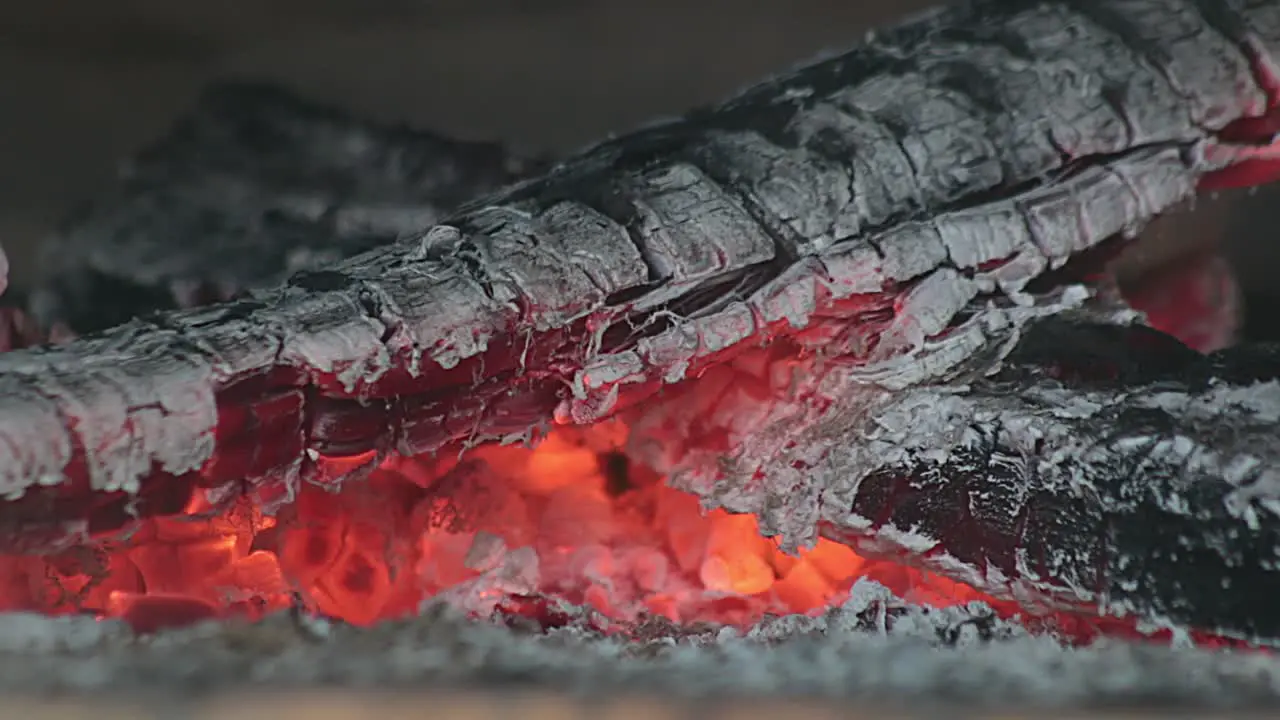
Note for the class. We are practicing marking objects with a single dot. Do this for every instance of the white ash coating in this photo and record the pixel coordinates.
(826, 657)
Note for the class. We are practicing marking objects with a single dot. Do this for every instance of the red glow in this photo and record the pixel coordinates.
(1194, 298)
(567, 519)
(582, 519)
(578, 519)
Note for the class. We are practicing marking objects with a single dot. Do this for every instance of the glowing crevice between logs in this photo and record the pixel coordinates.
(573, 518)
(582, 516)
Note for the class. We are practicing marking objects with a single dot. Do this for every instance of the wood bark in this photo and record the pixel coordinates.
(923, 187)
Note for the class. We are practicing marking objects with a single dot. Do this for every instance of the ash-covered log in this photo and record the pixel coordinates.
(253, 185)
(1102, 467)
(824, 303)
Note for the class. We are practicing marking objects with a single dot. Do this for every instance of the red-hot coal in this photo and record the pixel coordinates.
(574, 516)
(580, 515)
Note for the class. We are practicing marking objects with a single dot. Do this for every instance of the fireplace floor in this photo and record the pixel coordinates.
(479, 705)
(927, 659)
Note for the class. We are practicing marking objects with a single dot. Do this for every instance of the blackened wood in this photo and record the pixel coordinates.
(1105, 469)
(253, 185)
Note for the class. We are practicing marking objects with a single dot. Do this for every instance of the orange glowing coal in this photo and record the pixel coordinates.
(571, 518)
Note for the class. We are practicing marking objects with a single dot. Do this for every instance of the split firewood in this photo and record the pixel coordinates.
(870, 251)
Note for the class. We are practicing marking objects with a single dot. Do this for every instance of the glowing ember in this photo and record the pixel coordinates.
(572, 518)
(584, 516)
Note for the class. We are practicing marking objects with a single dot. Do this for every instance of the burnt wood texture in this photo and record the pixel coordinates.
(1107, 469)
(923, 187)
(253, 185)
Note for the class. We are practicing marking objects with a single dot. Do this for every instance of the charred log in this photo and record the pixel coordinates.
(253, 185)
(828, 191)
(1105, 468)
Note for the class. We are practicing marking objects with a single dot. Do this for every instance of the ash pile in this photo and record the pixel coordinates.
(872, 649)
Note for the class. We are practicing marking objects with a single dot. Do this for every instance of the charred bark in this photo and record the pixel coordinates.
(255, 184)
(251, 186)
(916, 191)
(1105, 468)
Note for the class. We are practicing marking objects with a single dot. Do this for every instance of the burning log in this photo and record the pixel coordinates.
(1105, 467)
(855, 303)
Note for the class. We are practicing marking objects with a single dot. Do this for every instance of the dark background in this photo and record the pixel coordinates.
(84, 82)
